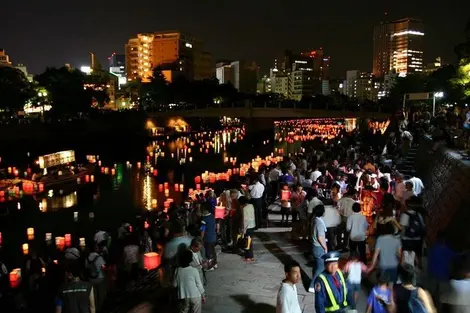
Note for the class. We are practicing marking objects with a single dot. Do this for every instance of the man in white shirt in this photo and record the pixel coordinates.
(256, 192)
(273, 178)
(418, 186)
(357, 227)
(287, 299)
(315, 175)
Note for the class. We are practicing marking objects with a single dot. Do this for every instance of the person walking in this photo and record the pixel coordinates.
(357, 228)
(331, 291)
(256, 193)
(209, 235)
(248, 226)
(287, 299)
(319, 247)
(188, 284)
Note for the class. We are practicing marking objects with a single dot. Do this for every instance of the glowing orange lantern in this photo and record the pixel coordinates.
(60, 242)
(68, 240)
(155, 172)
(167, 192)
(177, 187)
(87, 178)
(92, 178)
(25, 248)
(165, 185)
(197, 179)
(30, 233)
(219, 212)
(242, 173)
(146, 225)
(181, 187)
(198, 186)
(152, 260)
(113, 171)
(139, 165)
(160, 187)
(15, 278)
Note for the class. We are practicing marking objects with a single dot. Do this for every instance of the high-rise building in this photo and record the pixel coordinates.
(360, 85)
(406, 47)
(204, 66)
(398, 47)
(24, 69)
(175, 51)
(224, 72)
(245, 76)
(117, 63)
(4, 58)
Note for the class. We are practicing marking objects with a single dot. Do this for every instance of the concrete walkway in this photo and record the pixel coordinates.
(252, 288)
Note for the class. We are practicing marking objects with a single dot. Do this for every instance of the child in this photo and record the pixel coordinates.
(380, 298)
(354, 268)
(285, 203)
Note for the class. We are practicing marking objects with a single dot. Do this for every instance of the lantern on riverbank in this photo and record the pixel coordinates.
(242, 173)
(25, 248)
(113, 171)
(48, 237)
(30, 233)
(160, 187)
(154, 203)
(146, 225)
(9, 170)
(82, 243)
(167, 192)
(152, 260)
(92, 178)
(181, 187)
(60, 243)
(15, 278)
(155, 172)
(219, 212)
(165, 185)
(139, 165)
(87, 178)
(68, 240)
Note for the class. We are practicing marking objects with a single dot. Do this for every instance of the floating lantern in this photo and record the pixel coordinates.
(30, 233)
(92, 178)
(190, 159)
(106, 170)
(82, 243)
(242, 173)
(25, 248)
(160, 187)
(99, 163)
(15, 278)
(139, 165)
(60, 243)
(48, 237)
(154, 203)
(167, 192)
(68, 240)
(165, 185)
(152, 260)
(181, 187)
(155, 172)
(75, 216)
(146, 225)
(9, 170)
(226, 159)
(87, 178)
(198, 186)
(113, 171)
(197, 179)
(79, 180)
(219, 212)
(177, 187)
(16, 173)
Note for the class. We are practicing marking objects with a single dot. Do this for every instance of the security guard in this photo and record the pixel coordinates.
(331, 290)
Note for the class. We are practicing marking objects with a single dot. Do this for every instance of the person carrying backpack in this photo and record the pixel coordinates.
(414, 230)
(409, 298)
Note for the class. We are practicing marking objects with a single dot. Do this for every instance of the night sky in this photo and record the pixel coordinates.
(55, 32)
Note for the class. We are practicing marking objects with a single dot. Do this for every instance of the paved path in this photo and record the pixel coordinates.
(239, 287)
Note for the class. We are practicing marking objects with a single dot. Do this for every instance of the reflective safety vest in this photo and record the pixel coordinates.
(334, 305)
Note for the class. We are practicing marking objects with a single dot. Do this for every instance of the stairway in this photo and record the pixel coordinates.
(407, 166)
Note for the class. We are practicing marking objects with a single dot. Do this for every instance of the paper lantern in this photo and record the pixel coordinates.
(170, 200)
(155, 172)
(139, 165)
(79, 180)
(48, 237)
(165, 185)
(242, 172)
(30, 233)
(106, 170)
(92, 178)
(198, 186)
(167, 192)
(87, 178)
(25, 248)
(154, 203)
(146, 225)
(226, 159)
(68, 240)
(75, 216)
(197, 179)
(113, 171)
(190, 159)
(177, 187)
(181, 187)
(60, 243)
(9, 170)
(160, 187)
(82, 243)
(15, 278)
(285, 195)
(152, 260)
(219, 212)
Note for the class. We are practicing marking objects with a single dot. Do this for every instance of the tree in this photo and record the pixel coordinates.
(155, 94)
(15, 90)
(462, 78)
(66, 91)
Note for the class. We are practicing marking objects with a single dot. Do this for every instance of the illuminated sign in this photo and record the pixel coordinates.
(55, 159)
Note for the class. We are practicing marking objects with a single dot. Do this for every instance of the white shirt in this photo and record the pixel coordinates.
(274, 174)
(262, 179)
(188, 283)
(331, 217)
(256, 190)
(304, 164)
(248, 212)
(287, 299)
(315, 175)
(292, 166)
(418, 186)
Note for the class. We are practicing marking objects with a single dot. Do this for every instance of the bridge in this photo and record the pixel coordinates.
(250, 112)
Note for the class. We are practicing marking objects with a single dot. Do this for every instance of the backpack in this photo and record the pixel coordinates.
(94, 271)
(415, 305)
(415, 228)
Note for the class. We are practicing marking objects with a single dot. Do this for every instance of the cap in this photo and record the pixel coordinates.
(332, 256)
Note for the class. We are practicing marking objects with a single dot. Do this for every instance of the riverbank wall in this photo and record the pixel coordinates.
(446, 177)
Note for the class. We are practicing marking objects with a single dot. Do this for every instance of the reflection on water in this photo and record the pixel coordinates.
(62, 202)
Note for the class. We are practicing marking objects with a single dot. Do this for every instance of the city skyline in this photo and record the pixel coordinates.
(60, 32)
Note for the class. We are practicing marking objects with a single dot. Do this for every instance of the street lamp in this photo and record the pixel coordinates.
(436, 95)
